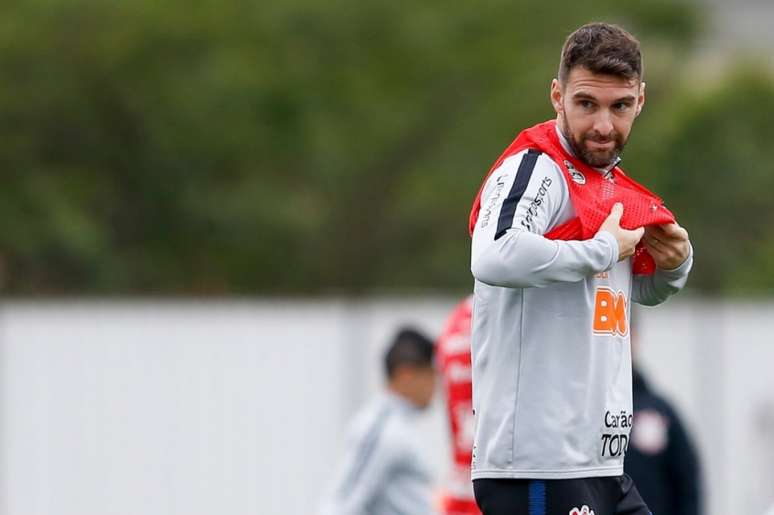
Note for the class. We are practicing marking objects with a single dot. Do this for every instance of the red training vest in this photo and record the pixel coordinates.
(453, 357)
(591, 194)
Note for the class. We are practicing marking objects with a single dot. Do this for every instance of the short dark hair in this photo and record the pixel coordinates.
(409, 347)
(604, 49)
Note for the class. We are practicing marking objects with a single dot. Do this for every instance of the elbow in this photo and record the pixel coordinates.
(483, 272)
(504, 263)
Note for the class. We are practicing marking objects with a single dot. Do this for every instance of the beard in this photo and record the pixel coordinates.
(594, 158)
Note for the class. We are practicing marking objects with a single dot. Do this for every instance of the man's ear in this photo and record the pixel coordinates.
(640, 99)
(556, 96)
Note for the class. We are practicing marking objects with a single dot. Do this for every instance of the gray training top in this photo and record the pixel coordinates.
(552, 384)
(382, 472)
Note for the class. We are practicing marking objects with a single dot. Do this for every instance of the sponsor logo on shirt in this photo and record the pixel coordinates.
(610, 312)
(575, 174)
(536, 202)
(583, 510)
(615, 439)
(490, 205)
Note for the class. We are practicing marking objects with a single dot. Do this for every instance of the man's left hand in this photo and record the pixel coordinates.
(668, 244)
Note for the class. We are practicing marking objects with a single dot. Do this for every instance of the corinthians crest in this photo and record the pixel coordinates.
(575, 174)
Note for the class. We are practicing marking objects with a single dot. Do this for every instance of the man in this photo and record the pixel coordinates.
(453, 358)
(382, 472)
(563, 241)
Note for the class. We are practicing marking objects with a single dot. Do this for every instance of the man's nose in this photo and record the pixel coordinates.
(603, 124)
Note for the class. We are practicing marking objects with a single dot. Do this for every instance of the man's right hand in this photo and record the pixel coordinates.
(627, 240)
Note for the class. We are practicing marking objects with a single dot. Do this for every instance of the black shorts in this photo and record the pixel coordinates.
(596, 495)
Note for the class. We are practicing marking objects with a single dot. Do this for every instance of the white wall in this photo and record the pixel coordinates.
(716, 362)
(238, 407)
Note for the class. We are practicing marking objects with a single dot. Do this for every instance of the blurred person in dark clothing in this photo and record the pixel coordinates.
(661, 459)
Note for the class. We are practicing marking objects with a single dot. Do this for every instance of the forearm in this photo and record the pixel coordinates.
(650, 290)
(521, 259)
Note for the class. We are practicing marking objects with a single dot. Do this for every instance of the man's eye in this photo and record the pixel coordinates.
(621, 106)
(586, 104)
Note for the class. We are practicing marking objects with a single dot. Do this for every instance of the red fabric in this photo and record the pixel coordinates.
(593, 199)
(453, 355)
(453, 506)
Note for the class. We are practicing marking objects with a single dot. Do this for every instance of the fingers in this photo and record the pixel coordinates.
(660, 252)
(634, 235)
(671, 231)
(616, 212)
(666, 233)
(627, 241)
(678, 233)
(655, 250)
(654, 238)
(668, 254)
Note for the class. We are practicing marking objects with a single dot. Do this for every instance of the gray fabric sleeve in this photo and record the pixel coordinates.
(364, 478)
(522, 257)
(650, 290)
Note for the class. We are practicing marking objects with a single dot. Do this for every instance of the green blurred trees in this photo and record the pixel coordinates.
(308, 146)
(719, 177)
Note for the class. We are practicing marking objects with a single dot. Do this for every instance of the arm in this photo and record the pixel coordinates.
(524, 260)
(672, 251)
(516, 210)
(366, 471)
(650, 290)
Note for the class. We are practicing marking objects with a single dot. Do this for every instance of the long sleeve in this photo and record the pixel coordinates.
(365, 475)
(382, 470)
(522, 260)
(650, 290)
(521, 201)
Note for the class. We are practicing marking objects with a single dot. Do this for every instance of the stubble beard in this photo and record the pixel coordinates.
(595, 159)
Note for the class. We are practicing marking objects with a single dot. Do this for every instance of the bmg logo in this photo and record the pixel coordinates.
(610, 312)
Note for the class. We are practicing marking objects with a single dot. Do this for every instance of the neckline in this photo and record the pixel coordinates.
(565, 146)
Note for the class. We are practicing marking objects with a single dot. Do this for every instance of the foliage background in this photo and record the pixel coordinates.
(332, 147)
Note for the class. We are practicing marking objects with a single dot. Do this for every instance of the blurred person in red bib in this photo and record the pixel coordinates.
(453, 360)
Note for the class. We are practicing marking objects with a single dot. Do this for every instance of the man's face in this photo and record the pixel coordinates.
(596, 113)
(420, 385)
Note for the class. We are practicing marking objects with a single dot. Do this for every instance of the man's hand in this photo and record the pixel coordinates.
(627, 240)
(668, 244)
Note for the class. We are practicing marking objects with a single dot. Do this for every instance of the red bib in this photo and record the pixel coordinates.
(591, 194)
(453, 357)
